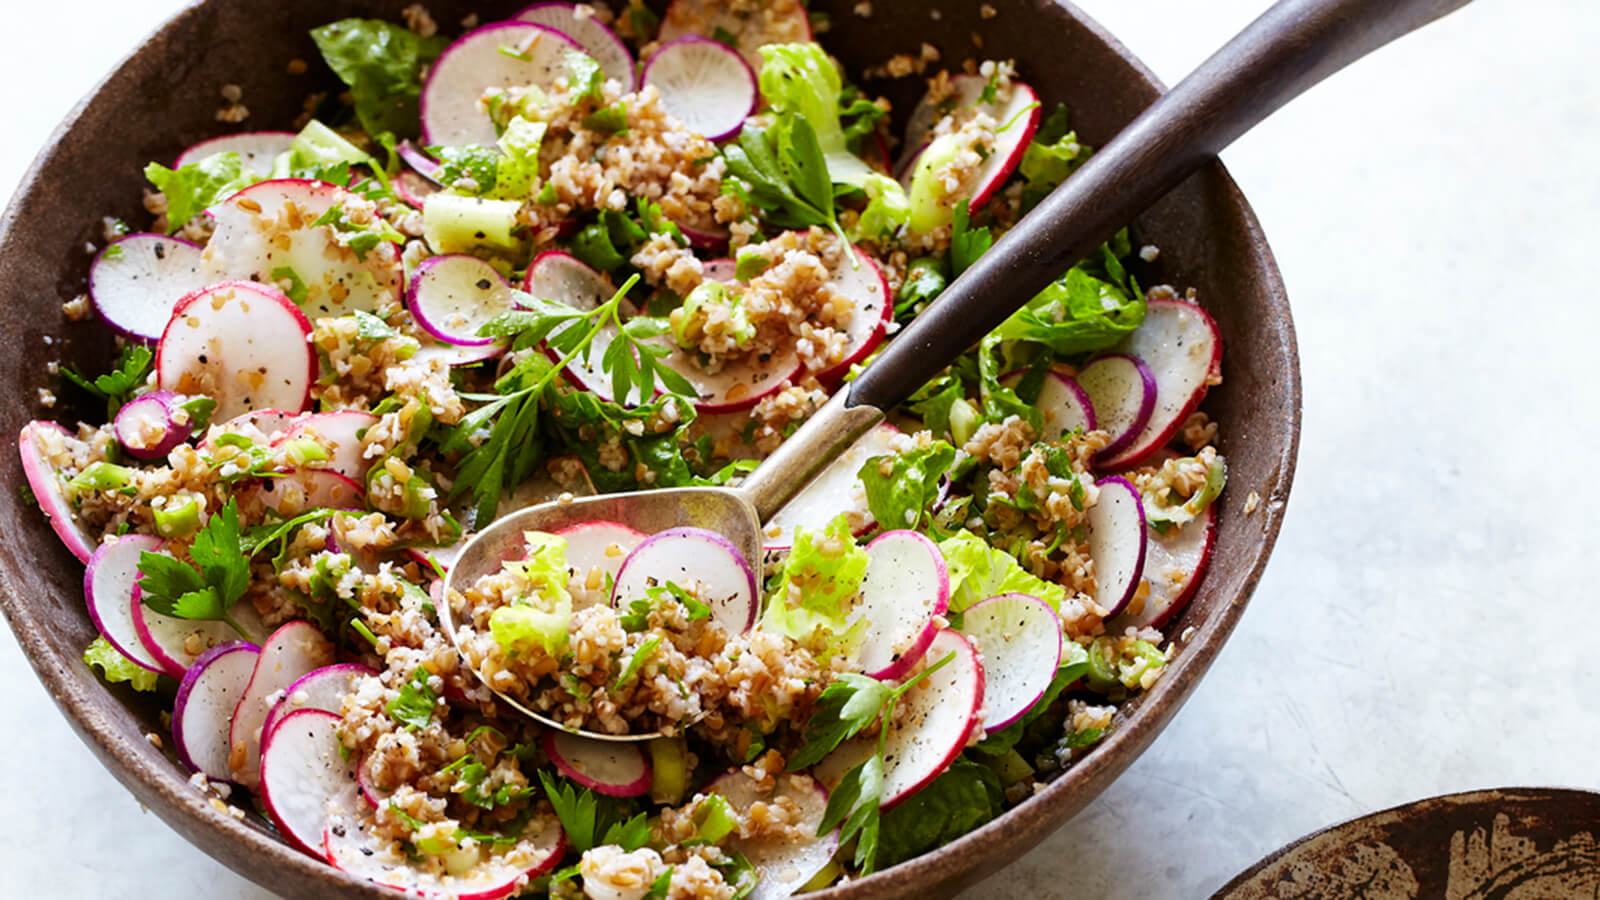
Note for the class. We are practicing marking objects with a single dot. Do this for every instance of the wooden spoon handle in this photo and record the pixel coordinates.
(1294, 45)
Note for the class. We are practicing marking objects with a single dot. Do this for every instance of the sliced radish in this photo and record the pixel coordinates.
(108, 586)
(723, 270)
(775, 22)
(150, 425)
(135, 281)
(292, 651)
(341, 430)
(45, 482)
(261, 426)
(245, 345)
(595, 553)
(453, 296)
(562, 277)
(323, 688)
(1174, 563)
(699, 561)
(1019, 638)
(491, 872)
(303, 771)
(303, 490)
(203, 710)
(905, 591)
(591, 36)
(503, 55)
(176, 643)
(869, 291)
(370, 792)
(413, 189)
(419, 161)
(1016, 118)
(1122, 393)
(1062, 403)
(836, 489)
(1116, 543)
(783, 864)
(740, 384)
(605, 767)
(705, 84)
(710, 239)
(452, 355)
(258, 149)
(1180, 344)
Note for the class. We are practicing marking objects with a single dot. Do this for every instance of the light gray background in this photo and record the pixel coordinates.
(1426, 623)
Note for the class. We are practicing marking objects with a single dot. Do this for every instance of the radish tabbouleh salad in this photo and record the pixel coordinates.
(592, 250)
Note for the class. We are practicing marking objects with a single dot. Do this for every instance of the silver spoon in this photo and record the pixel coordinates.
(1293, 46)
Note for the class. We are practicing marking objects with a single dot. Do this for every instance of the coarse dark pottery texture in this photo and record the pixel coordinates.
(163, 98)
(1513, 843)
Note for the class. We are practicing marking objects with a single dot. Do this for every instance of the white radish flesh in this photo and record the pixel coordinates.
(1122, 393)
(150, 425)
(866, 288)
(1062, 403)
(595, 553)
(176, 643)
(835, 490)
(1174, 563)
(704, 84)
(323, 689)
(45, 482)
(780, 22)
(135, 281)
(257, 149)
(701, 562)
(740, 384)
(244, 345)
(303, 490)
(341, 431)
(108, 589)
(291, 652)
(453, 296)
(267, 233)
(1181, 345)
(606, 767)
(595, 39)
(203, 710)
(905, 590)
(1016, 119)
(261, 426)
(1117, 536)
(302, 773)
(783, 864)
(504, 55)
(1019, 639)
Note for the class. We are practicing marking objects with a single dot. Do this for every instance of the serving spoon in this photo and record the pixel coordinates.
(1292, 46)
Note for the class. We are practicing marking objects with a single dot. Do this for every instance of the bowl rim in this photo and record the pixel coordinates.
(241, 844)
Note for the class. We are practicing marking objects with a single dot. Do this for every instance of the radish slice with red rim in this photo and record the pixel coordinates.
(257, 149)
(1019, 639)
(1063, 405)
(242, 344)
(323, 689)
(776, 22)
(303, 769)
(867, 289)
(723, 270)
(176, 643)
(705, 84)
(605, 767)
(783, 864)
(45, 482)
(1122, 393)
(452, 355)
(341, 431)
(413, 189)
(904, 592)
(595, 554)
(268, 233)
(594, 38)
(150, 425)
(707, 239)
(739, 384)
(1181, 345)
(261, 426)
(1117, 536)
(699, 561)
(203, 710)
(1016, 119)
(453, 296)
(292, 651)
(1174, 563)
(835, 490)
(504, 55)
(135, 282)
(108, 585)
(303, 490)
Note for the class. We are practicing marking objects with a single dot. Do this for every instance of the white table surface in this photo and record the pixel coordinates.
(1425, 625)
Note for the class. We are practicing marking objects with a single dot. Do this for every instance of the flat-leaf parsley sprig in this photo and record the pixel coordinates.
(207, 587)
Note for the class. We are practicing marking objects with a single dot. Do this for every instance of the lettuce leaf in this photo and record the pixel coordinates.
(800, 80)
(966, 796)
(382, 63)
(1091, 307)
(192, 188)
(116, 668)
(823, 571)
(1053, 155)
(543, 617)
(518, 167)
(901, 497)
(979, 571)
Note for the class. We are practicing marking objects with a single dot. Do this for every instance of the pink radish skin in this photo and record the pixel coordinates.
(1019, 637)
(370, 792)
(1181, 345)
(323, 689)
(45, 483)
(1174, 564)
(258, 149)
(836, 489)
(595, 39)
(450, 108)
(905, 591)
(135, 281)
(869, 290)
(1117, 536)
(419, 161)
(302, 771)
(605, 767)
(723, 270)
(453, 296)
(291, 652)
(107, 589)
(238, 328)
(704, 84)
(1122, 393)
(707, 240)
(413, 189)
(740, 385)
(1062, 403)
(204, 707)
(782, 865)
(151, 425)
(750, 32)
(167, 639)
(595, 553)
(341, 430)
(688, 557)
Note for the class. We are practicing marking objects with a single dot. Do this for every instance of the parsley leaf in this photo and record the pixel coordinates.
(414, 706)
(966, 242)
(590, 820)
(847, 705)
(784, 173)
(117, 386)
(902, 498)
(208, 588)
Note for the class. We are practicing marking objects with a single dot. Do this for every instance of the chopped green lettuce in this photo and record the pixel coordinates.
(966, 796)
(1091, 307)
(800, 80)
(1053, 155)
(518, 167)
(887, 208)
(382, 63)
(821, 574)
(900, 497)
(118, 668)
(979, 571)
(192, 188)
(542, 617)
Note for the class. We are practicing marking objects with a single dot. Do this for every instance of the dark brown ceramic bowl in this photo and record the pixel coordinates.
(163, 98)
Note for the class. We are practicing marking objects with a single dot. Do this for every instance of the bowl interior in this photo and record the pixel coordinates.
(163, 98)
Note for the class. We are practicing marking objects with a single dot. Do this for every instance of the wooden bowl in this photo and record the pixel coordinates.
(163, 97)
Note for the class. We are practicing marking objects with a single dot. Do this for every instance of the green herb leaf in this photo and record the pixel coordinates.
(901, 498)
(590, 820)
(966, 242)
(414, 706)
(847, 705)
(116, 668)
(382, 64)
(194, 187)
(966, 796)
